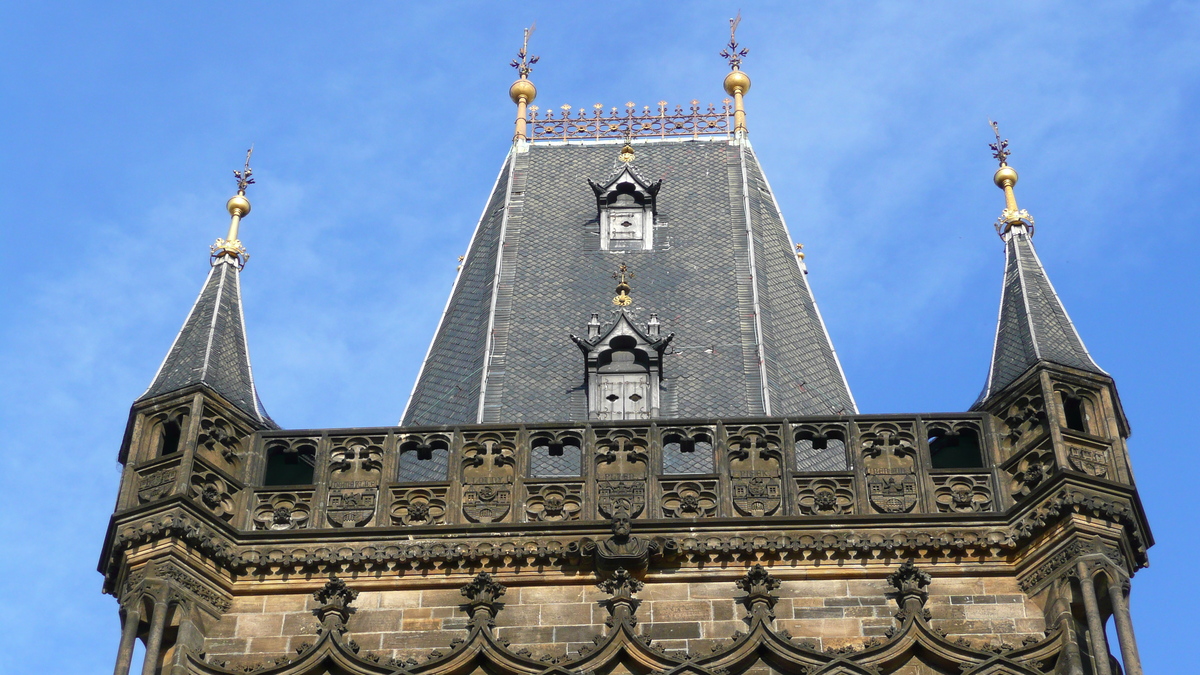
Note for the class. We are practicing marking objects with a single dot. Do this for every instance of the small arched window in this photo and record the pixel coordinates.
(555, 458)
(1074, 413)
(957, 449)
(820, 452)
(683, 454)
(423, 462)
(172, 432)
(290, 464)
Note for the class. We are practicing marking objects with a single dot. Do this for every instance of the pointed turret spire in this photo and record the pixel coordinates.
(211, 347)
(1033, 325)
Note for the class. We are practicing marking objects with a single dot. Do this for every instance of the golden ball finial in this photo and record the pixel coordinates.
(1005, 174)
(238, 205)
(736, 80)
(522, 87)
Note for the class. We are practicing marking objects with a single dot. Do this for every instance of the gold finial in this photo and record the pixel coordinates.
(1005, 178)
(522, 92)
(626, 155)
(622, 299)
(737, 83)
(238, 207)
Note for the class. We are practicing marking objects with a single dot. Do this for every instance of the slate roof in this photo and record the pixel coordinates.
(715, 282)
(1033, 324)
(211, 347)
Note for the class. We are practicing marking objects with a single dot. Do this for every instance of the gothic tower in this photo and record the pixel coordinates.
(631, 449)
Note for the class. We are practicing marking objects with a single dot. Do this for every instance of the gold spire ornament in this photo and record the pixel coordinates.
(1005, 178)
(622, 298)
(522, 92)
(626, 155)
(737, 83)
(238, 207)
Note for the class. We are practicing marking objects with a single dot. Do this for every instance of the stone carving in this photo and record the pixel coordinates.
(351, 506)
(622, 606)
(911, 586)
(156, 484)
(553, 503)
(1092, 461)
(335, 598)
(196, 587)
(963, 494)
(689, 499)
(754, 463)
(488, 467)
(1030, 471)
(482, 595)
(890, 465)
(355, 466)
(758, 584)
(219, 437)
(1024, 419)
(621, 477)
(419, 506)
(1064, 559)
(214, 492)
(282, 510)
(831, 496)
(356, 459)
(624, 550)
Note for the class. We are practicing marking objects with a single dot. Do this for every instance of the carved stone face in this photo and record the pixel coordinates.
(621, 526)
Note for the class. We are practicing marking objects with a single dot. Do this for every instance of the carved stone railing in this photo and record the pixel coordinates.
(685, 469)
(661, 123)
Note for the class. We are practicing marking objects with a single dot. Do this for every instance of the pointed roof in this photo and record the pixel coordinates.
(1033, 325)
(723, 275)
(623, 325)
(211, 347)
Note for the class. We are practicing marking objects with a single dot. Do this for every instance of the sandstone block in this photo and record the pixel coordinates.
(566, 614)
(537, 595)
(259, 625)
(671, 631)
(686, 610)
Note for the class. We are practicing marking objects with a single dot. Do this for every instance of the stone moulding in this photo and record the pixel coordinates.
(873, 540)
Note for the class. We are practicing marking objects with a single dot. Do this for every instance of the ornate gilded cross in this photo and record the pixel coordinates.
(524, 63)
(244, 177)
(1000, 149)
(731, 52)
(622, 298)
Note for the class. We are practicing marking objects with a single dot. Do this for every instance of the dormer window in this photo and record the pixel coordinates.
(623, 369)
(626, 207)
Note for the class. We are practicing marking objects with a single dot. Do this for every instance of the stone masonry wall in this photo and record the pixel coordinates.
(559, 619)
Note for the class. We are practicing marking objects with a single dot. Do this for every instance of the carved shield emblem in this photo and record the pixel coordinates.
(487, 502)
(755, 495)
(157, 484)
(616, 496)
(1091, 462)
(893, 493)
(351, 506)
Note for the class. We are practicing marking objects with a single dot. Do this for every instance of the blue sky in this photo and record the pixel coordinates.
(379, 127)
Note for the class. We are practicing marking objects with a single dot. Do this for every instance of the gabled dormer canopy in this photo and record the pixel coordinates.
(623, 368)
(626, 205)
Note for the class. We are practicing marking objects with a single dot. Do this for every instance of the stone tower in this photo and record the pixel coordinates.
(631, 449)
